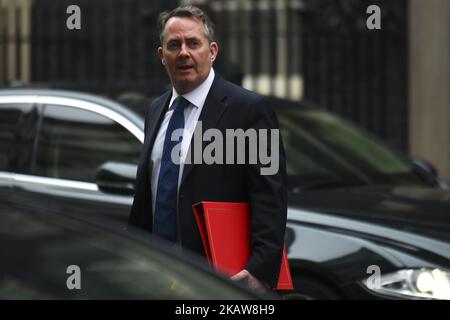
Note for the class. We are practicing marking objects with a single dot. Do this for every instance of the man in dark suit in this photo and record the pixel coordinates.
(166, 188)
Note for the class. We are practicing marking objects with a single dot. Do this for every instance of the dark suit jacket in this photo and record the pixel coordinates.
(227, 106)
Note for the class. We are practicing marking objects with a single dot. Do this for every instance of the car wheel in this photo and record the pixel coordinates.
(307, 288)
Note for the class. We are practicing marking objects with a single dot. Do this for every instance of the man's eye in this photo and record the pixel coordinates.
(173, 45)
(194, 44)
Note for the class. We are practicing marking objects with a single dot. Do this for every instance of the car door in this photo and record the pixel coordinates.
(74, 139)
(18, 121)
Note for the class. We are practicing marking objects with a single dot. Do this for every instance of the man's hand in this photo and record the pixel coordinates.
(250, 281)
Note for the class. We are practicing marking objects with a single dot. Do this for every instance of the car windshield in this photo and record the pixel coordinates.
(37, 250)
(324, 151)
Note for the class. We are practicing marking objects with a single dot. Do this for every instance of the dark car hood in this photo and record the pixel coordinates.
(419, 210)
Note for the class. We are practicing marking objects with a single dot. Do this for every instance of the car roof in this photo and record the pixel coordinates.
(87, 97)
(278, 103)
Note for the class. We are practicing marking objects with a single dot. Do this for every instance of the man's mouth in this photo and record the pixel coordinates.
(185, 67)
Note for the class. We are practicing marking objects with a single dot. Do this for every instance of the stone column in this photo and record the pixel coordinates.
(429, 83)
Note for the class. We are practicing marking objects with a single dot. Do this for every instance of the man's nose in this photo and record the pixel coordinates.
(184, 51)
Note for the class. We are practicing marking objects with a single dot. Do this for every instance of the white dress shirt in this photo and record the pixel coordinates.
(192, 112)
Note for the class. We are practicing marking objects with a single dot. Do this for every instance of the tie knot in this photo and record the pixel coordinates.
(180, 103)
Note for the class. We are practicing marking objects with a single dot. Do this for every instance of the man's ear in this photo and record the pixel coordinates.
(160, 53)
(214, 48)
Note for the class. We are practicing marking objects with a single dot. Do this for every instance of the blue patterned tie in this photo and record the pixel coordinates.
(165, 221)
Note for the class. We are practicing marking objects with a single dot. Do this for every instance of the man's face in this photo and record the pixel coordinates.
(186, 53)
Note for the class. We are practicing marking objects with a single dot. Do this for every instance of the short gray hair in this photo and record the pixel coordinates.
(186, 11)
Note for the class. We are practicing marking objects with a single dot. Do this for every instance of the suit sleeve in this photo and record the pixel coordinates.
(137, 216)
(268, 196)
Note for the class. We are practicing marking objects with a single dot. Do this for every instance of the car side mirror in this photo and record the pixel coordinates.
(426, 168)
(117, 177)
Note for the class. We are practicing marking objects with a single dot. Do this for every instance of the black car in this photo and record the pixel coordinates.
(363, 221)
(56, 256)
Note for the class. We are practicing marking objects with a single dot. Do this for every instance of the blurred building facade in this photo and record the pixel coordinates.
(15, 46)
(320, 51)
(429, 82)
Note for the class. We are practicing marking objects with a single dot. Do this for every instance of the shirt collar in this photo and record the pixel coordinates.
(197, 96)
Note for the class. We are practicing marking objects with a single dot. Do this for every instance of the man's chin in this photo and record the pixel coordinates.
(185, 78)
(185, 84)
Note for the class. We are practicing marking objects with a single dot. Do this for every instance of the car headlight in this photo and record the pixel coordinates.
(418, 284)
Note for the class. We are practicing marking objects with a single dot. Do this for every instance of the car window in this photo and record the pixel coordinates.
(321, 147)
(73, 143)
(10, 116)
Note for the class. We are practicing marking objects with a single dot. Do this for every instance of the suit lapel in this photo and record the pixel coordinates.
(154, 121)
(212, 111)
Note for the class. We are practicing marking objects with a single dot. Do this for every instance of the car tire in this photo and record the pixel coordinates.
(308, 288)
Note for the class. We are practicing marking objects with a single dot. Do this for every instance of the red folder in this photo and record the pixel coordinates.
(224, 228)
